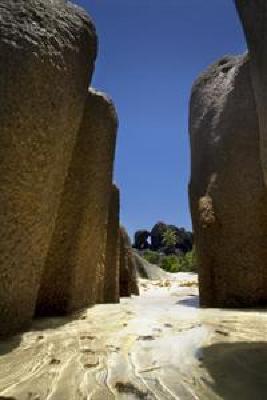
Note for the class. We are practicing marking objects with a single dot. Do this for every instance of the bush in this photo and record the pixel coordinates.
(186, 263)
(152, 257)
(170, 263)
(189, 262)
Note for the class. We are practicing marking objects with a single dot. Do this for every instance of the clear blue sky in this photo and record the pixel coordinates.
(150, 52)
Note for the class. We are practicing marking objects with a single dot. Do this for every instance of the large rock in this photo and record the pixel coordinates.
(141, 240)
(134, 288)
(184, 239)
(253, 15)
(47, 54)
(227, 191)
(112, 251)
(74, 265)
(128, 275)
(125, 286)
(157, 235)
(145, 270)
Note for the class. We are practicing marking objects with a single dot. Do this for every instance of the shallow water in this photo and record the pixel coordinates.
(156, 346)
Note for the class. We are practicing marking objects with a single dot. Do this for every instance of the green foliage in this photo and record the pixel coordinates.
(169, 263)
(152, 257)
(173, 263)
(169, 238)
(186, 263)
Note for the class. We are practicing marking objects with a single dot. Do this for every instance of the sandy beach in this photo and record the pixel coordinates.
(156, 346)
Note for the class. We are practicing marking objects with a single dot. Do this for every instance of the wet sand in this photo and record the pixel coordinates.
(156, 346)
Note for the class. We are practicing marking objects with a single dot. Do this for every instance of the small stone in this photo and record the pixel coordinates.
(55, 361)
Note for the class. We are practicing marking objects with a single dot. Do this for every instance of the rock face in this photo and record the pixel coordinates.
(134, 288)
(74, 266)
(184, 239)
(125, 286)
(141, 240)
(227, 191)
(157, 235)
(145, 270)
(253, 15)
(112, 251)
(45, 67)
(128, 276)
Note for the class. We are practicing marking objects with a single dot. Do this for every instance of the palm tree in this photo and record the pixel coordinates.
(169, 239)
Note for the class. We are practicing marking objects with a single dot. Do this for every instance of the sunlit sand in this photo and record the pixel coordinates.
(156, 346)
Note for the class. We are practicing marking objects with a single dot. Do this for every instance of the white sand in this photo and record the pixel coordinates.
(156, 346)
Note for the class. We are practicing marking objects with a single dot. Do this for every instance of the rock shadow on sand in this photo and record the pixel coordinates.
(41, 323)
(238, 370)
(9, 344)
(190, 301)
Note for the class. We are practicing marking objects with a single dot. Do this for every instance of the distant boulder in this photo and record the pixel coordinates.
(145, 270)
(157, 235)
(141, 240)
(184, 239)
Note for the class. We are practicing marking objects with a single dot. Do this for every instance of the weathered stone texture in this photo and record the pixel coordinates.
(74, 264)
(157, 235)
(112, 252)
(100, 273)
(253, 15)
(47, 54)
(125, 287)
(134, 288)
(128, 276)
(228, 196)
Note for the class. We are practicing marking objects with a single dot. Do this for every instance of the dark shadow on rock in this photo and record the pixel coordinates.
(9, 344)
(192, 301)
(54, 322)
(238, 370)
